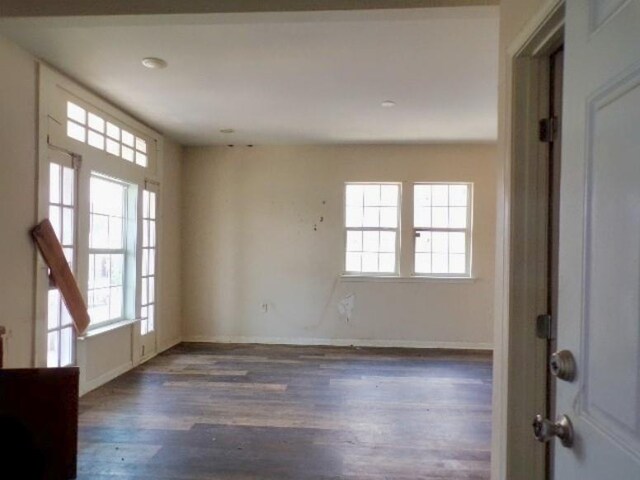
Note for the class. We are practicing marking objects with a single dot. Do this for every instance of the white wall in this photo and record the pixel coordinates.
(18, 160)
(253, 234)
(18, 179)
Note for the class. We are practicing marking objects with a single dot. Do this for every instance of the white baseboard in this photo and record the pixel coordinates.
(100, 380)
(336, 342)
(106, 377)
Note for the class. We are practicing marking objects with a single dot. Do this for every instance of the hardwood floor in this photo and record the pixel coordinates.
(240, 412)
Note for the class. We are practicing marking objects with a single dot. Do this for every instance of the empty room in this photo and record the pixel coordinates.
(328, 240)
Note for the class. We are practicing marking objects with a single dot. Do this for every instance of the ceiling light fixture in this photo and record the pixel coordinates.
(154, 63)
(388, 104)
(227, 130)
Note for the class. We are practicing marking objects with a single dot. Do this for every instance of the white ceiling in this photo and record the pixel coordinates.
(314, 77)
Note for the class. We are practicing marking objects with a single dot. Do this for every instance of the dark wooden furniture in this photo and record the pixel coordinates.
(38, 423)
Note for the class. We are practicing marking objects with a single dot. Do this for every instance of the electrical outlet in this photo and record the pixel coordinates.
(265, 307)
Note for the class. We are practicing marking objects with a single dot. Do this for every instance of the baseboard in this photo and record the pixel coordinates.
(100, 380)
(106, 377)
(337, 342)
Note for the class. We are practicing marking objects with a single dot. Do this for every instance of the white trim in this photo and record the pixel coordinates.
(86, 387)
(109, 327)
(337, 342)
(518, 105)
(414, 279)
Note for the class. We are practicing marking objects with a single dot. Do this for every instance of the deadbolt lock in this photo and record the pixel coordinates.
(544, 430)
(563, 365)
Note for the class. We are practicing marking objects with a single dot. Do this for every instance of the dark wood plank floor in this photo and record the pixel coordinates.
(240, 412)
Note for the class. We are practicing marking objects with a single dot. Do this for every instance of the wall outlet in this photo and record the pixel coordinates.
(265, 307)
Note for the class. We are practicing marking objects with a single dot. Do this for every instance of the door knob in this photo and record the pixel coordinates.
(563, 365)
(544, 430)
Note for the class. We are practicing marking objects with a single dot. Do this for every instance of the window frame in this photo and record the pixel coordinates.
(398, 230)
(468, 231)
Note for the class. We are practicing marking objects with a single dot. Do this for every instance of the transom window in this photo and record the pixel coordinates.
(107, 248)
(88, 127)
(441, 222)
(371, 222)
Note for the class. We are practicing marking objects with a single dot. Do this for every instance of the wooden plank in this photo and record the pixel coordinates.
(51, 250)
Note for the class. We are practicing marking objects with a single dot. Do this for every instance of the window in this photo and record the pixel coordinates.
(107, 248)
(148, 284)
(371, 222)
(90, 128)
(60, 337)
(442, 226)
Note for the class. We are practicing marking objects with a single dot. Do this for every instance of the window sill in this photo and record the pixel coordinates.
(99, 330)
(413, 279)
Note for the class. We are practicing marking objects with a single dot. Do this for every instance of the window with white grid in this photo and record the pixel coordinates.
(372, 228)
(148, 283)
(107, 248)
(60, 334)
(442, 229)
(92, 129)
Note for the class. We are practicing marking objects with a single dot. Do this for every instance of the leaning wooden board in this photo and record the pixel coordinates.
(51, 250)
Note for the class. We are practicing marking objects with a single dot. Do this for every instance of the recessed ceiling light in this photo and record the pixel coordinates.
(227, 130)
(388, 104)
(154, 63)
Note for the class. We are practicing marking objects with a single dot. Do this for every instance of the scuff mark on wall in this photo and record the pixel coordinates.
(346, 306)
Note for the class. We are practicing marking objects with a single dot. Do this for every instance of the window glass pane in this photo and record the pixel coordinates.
(152, 313)
(354, 241)
(457, 242)
(96, 140)
(439, 217)
(127, 154)
(371, 241)
(353, 263)
(77, 113)
(370, 262)
(113, 147)
(53, 348)
(115, 302)
(116, 234)
(355, 196)
(371, 217)
(388, 242)
(66, 346)
(152, 205)
(68, 185)
(54, 218)
(440, 242)
(457, 217)
(355, 216)
(127, 138)
(440, 195)
(372, 195)
(387, 263)
(439, 263)
(422, 195)
(54, 183)
(423, 242)
(423, 263)
(152, 289)
(458, 195)
(422, 216)
(145, 262)
(141, 159)
(113, 131)
(152, 261)
(67, 226)
(141, 145)
(389, 195)
(65, 318)
(76, 131)
(388, 217)
(457, 263)
(145, 204)
(53, 309)
(117, 269)
(96, 123)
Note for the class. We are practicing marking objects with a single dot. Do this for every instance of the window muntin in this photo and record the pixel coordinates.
(148, 277)
(88, 127)
(107, 248)
(442, 229)
(372, 227)
(60, 335)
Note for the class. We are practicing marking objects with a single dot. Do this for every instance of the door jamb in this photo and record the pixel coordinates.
(520, 358)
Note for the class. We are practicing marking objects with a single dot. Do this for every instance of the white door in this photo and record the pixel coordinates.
(599, 286)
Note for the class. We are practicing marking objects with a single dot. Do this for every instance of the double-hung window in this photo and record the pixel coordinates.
(107, 248)
(442, 233)
(441, 229)
(372, 228)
